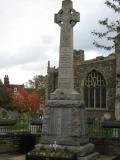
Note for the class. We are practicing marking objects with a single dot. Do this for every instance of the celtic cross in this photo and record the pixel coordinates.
(66, 18)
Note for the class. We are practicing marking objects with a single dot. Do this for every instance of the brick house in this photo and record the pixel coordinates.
(15, 90)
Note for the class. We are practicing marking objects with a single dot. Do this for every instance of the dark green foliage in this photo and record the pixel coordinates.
(4, 96)
(5, 99)
(112, 28)
(1, 83)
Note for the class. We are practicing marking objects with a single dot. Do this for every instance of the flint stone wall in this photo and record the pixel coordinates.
(107, 146)
(106, 66)
(17, 143)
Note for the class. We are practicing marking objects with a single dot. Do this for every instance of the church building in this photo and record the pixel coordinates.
(97, 81)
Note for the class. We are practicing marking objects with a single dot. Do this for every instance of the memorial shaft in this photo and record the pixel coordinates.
(66, 19)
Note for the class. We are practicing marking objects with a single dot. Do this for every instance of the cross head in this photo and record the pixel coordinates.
(67, 15)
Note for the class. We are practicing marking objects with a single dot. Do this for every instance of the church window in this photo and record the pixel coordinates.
(95, 90)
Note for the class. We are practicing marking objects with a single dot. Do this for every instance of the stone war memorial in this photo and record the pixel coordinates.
(64, 122)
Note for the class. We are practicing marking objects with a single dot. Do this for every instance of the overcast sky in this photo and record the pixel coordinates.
(29, 37)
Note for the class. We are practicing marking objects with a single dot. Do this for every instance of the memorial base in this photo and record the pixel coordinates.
(64, 121)
(64, 128)
(85, 152)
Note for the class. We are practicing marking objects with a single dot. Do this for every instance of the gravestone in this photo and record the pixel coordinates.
(64, 119)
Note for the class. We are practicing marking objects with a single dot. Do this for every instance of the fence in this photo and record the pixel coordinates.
(21, 125)
(34, 126)
(106, 130)
(21, 135)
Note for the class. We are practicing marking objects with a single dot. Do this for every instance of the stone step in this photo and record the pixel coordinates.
(85, 150)
(92, 156)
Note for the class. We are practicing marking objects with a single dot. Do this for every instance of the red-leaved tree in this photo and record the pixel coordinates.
(28, 102)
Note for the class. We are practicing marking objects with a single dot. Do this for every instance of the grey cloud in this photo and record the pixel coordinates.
(28, 26)
(24, 56)
(89, 22)
(39, 52)
(35, 66)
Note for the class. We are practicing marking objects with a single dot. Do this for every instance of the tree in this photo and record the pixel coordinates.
(39, 82)
(27, 102)
(5, 98)
(1, 83)
(112, 28)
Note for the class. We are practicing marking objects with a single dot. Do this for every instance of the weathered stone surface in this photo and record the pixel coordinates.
(106, 145)
(64, 117)
(81, 151)
(76, 141)
(117, 100)
(66, 18)
(92, 156)
(64, 122)
(106, 66)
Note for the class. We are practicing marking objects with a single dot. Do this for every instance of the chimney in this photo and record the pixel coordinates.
(6, 80)
(48, 67)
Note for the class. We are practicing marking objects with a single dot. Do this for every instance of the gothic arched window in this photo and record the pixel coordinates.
(95, 90)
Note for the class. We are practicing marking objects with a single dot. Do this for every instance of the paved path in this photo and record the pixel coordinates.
(11, 157)
(105, 158)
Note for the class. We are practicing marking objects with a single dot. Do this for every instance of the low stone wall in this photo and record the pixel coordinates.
(9, 143)
(17, 142)
(107, 146)
(22, 143)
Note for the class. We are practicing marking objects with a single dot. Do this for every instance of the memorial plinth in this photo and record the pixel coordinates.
(64, 120)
